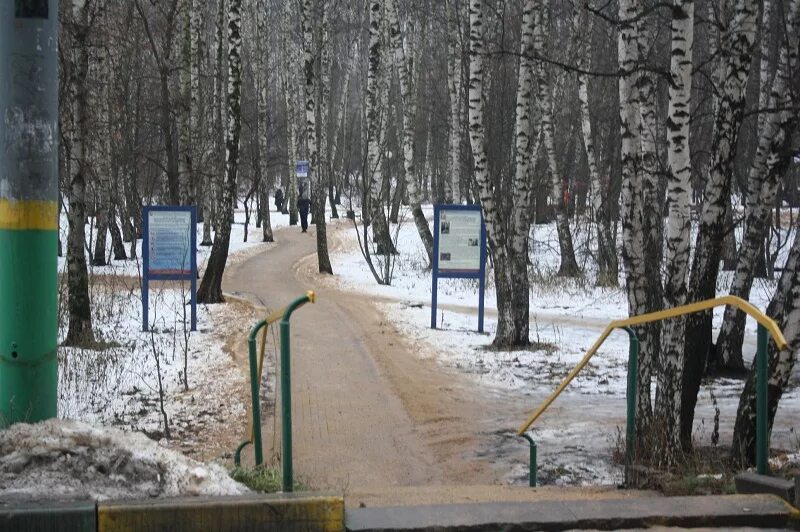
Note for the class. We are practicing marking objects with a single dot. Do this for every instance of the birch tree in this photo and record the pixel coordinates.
(375, 147)
(679, 170)
(547, 86)
(736, 47)
(210, 290)
(633, 257)
(776, 126)
(185, 109)
(312, 139)
(404, 65)
(82, 16)
(454, 84)
(262, 87)
(784, 308)
(608, 269)
(289, 87)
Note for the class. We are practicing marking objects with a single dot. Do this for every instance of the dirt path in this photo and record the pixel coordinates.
(372, 409)
(350, 428)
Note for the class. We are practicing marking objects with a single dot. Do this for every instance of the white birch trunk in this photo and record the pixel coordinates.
(377, 93)
(210, 290)
(262, 86)
(631, 198)
(668, 392)
(404, 65)
(737, 46)
(454, 84)
(774, 127)
(785, 310)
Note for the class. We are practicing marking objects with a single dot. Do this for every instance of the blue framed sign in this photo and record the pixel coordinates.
(169, 251)
(459, 250)
(301, 168)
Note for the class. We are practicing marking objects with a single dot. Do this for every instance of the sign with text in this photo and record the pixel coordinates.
(459, 240)
(301, 169)
(169, 235)
(459, 250)
(169, 251)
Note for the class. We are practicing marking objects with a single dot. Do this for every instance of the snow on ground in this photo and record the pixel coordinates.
(238, 251)
(70, 460)
(122, 381)
(567, 316)
(119, 385)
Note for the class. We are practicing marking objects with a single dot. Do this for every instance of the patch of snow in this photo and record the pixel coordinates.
(567, 316)
(63, 459)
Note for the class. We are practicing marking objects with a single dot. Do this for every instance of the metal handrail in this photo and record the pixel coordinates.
(256, 369)
(766, 324)
(683, 310)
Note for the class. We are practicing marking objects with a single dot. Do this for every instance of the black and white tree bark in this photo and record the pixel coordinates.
(404, 65)
(82, 15)
(309, 18)
(631, 210)
(737, 48)
(260, 47)
(607, 266)
(679, 170)
(784, 308)
(452, 183)
(776, 126)
(376, 214)
(210, 290)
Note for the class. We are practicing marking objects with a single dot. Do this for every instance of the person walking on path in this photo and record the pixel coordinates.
(278, 199)
(303, 205)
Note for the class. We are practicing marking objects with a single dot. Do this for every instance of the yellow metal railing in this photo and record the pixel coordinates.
(766, 324)
(734, 301)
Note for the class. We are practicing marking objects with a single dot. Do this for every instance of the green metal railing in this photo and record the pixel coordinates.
(765, 324)
(256, 369)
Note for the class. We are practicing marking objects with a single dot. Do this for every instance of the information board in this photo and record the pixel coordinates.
(169, 242)
(459, 240)
(169, 251)
(302, 169)
(459, 250)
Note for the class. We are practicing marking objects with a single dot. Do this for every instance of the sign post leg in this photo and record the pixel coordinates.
(482, 289)
(145, 302)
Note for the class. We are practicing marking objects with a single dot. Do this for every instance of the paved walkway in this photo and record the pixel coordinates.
(349, 428)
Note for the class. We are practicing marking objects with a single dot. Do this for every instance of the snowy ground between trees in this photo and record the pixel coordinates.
(111, 441)
(567, 316)
(118, 384)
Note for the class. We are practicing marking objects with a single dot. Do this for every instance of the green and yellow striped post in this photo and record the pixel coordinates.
(28, 210)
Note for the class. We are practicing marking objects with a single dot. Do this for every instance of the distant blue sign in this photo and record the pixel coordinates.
(459, 250)
(302, 168)
(169, 251)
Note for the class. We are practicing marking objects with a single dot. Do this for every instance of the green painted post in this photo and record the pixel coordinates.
(286, 392)
(28, 210)
(633, 375)
(255, 385)
(286, 407)
(762, 444)
(532, 465)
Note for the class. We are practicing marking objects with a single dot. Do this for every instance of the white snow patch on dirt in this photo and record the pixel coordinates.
(66, 459)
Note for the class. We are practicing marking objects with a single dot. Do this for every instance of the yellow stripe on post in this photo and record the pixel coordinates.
(20, 215)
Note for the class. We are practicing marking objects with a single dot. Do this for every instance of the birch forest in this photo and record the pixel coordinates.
(665, 131)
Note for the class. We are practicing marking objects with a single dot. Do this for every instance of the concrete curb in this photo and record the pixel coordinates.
(688, 512)
(48, 515)
(293, 512)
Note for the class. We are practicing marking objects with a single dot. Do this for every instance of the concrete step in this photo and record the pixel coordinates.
(754, 511)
